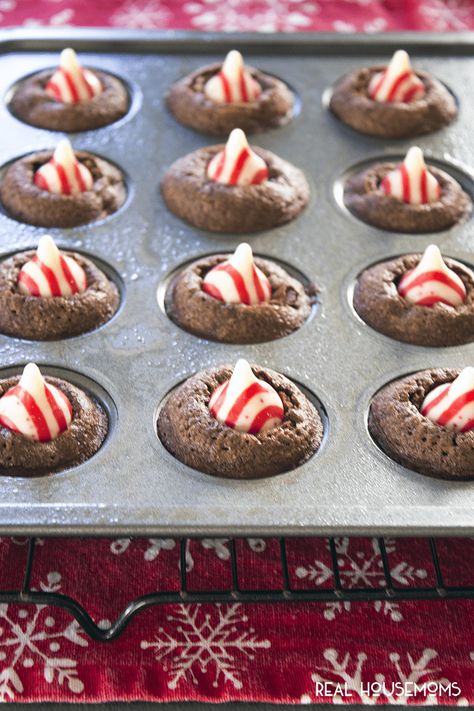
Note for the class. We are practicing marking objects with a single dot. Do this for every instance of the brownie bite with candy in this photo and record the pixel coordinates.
(70, 98)
(393, 101)
(241, 423)
(218, 98)
(234, 188)
(64, 188)
(409, 197)
(425, 421)
(51, 294)
(419, 299)
(238, 299)
(46, 424)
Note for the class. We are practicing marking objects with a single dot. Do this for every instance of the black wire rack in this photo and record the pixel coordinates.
(286, 593)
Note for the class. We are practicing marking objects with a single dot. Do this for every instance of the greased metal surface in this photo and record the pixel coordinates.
(133, 485)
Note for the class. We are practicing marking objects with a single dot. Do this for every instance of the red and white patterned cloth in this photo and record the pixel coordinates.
(245, 15)
(300, 653)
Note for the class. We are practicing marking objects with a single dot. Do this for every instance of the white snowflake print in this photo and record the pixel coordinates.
(59, 19)
(31, 636)
(6, 6)
(248, 15)
(197, 641)
(358, 568)
(141, 15)
(445, 15)
(220, 546)
(156, 545)
(344, 675)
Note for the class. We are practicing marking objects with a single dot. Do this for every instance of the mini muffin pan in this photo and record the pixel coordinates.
(133, 485)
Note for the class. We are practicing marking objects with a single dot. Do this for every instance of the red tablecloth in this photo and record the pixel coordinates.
(301, 652)
(246, 15)
(360, 652)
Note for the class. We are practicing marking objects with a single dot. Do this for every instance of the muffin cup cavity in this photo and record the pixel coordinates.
(294, 300)
(29, 102)
(376, 301)
(192, 196)
(23, 201)
(60, 317)
(275, 107)
(94, 419)
(358, 192)
(398, 428)
(192, 435)
(350, 103)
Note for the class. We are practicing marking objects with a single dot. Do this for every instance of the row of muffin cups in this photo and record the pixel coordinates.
(216, 98)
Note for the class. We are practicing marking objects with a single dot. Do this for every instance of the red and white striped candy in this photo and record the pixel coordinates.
(238, 280)
(51, 273)
(34, 408)
(452, 404)
(71, 83)
(432, 282)
(63, 174)
(234, 83)
(411, 181)
(245, 403)
(237, 164)
(398, 82)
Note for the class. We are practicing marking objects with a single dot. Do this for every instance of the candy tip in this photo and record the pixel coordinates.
(64, 150)
(68, 55)
(47, 250)
(31, 374)
(414, 158)
(237, 135)
(46, 241)
(242, 369)
(234, 55)
(243, 250)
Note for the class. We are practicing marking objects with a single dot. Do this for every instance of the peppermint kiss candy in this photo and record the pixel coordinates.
(411, 181)
(238, 280)
(71, 83)
(245, 403)
(51, 273)
(237, 164)
(398, 82)
(63, 174)
(34, 408)
(452, 404)
(432, 282)
(233, 84)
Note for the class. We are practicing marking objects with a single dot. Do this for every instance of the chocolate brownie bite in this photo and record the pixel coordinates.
(241, 423)
(218, 98)
(238, 299)
(46, 425)
(409, 197)
(62, 189)
(425, 422)
(70, 98)
(234, 188)
(419, 299)
(51, 294)
(393, 101)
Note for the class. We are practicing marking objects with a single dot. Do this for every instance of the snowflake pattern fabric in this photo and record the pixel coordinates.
(237, 651)
(245, 15)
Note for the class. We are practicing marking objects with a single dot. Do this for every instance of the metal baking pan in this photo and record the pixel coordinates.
(133, 485)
